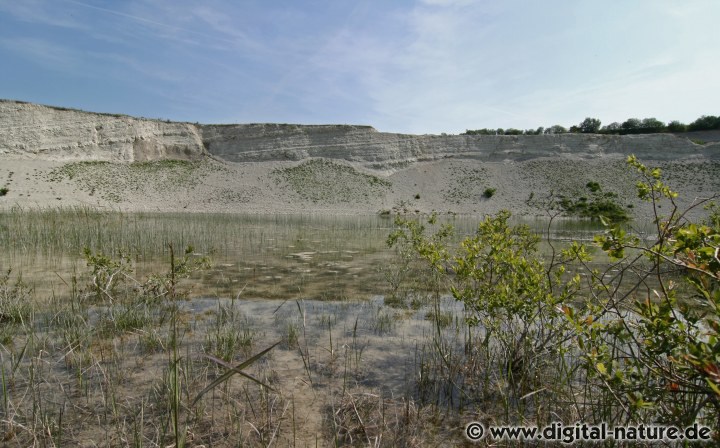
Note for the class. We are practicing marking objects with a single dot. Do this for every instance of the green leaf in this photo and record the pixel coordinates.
(601, 368)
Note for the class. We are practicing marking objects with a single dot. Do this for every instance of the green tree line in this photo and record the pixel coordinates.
(594, 126)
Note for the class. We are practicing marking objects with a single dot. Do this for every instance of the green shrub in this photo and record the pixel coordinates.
(4, 191)
(594, 187)
(489, 192)
(510, 299)
(653, 353)
(600, 205)
(633, 340)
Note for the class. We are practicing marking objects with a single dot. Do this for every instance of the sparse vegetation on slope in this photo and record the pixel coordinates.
(467, 184)
(111, 181)
(324, 181)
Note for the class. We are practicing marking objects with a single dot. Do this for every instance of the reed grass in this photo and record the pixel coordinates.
(190, 367)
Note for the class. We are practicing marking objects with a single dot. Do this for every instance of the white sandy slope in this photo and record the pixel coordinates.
(445, 186)
(243, 168)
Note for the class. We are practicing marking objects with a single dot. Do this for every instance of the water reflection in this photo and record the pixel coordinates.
(268, 256)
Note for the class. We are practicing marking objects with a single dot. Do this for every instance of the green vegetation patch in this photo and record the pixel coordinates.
(599, 204)
(467, 184)
(324, 181)
(111, 180)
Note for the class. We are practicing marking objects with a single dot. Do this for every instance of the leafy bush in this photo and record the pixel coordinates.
(4, 191)
(489, 192)
(513, 131)
(600, 205)
(705, 123)
(590, 126)
(509, 298)
(637, 340)
(676, 126)
(652, 347)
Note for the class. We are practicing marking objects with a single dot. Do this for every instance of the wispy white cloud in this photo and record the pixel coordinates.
(422, 66)
(465, 64)
(89, 64)
(447, 2)
(41, 12)
(172, 28)
(55, 57)
(430, 76)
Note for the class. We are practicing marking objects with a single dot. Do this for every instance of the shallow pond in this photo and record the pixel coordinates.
(274, 256)
(313, 283)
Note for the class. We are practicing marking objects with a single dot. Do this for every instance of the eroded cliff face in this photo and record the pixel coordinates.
(291, 167)
(379, 150)
(41, 132)
(31, 131)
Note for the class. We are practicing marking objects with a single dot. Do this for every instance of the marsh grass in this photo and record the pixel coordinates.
(275, 256)
(150, 360)
(384, 320)
(15, 304)
(345, 374)
(122, 368)
(368, 418)
(231, 333)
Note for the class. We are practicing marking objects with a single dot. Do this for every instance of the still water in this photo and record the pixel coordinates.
(264, 256)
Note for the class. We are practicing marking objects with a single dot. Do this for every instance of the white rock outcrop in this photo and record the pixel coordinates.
(380, 150)
(30, 131)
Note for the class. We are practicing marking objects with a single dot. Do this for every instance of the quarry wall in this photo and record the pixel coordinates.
(36, 131)
(265, 142)
(32, 131)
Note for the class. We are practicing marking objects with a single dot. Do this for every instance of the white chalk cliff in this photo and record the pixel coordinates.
(31, 131)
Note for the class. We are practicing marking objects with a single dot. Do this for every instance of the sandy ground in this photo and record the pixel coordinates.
(336, 188)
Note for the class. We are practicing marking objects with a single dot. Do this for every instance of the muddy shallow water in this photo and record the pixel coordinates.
(314, 284)
(277, 257)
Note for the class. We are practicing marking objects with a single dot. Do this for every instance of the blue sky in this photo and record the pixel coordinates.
(424, 66)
